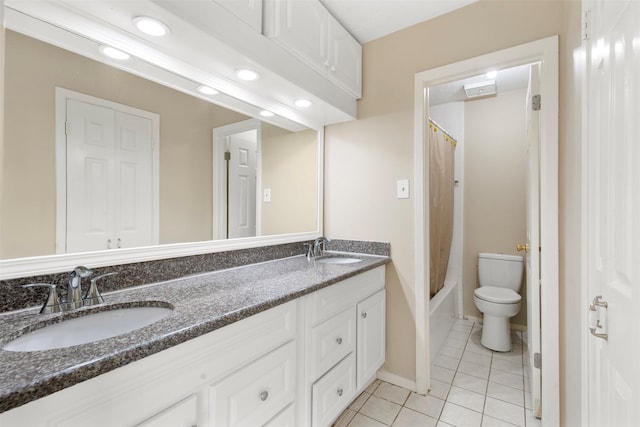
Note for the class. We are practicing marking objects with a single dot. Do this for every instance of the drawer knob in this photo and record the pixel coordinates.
(364, 315)
(264, 395)
(339, 340)
(340, 391)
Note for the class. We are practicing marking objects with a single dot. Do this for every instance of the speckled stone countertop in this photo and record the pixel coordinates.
(202, 303)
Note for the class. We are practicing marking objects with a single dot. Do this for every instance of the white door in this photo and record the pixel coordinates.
(611, 221)
(533, 239)
(241, 188)
(109, 176)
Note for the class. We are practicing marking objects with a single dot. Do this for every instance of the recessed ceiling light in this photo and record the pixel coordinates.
(265, 113)
(206, 90)
(492, 74)
(248, 75)
(151, 26)
(303, 103)
(114, 53)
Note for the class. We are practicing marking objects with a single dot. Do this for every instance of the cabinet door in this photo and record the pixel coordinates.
(300, 26)
(371, 337)
(345, 58)
(182, 414)
(256, 393)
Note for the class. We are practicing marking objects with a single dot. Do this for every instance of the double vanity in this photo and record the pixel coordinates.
(288, 342)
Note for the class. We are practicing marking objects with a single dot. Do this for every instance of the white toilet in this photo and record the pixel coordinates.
(498, 297)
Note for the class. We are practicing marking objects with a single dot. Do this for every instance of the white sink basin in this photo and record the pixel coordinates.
(88, 328)
(339, 260)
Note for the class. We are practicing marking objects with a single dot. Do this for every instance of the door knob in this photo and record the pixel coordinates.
(524, 247)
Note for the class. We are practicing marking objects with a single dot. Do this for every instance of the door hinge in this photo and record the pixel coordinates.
(586, 25)
(537, 360)
(67, 128)
(536, 102)
(227, 155)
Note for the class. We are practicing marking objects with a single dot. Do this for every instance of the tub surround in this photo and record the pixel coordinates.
(202, 303)
(140, 273)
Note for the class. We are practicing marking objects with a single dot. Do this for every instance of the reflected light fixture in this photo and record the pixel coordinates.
(246, 74)
(485, 88)
(150, 26)
(302, 103)
(114, 53)
(206, 90)
(265, 113)
(492, 74)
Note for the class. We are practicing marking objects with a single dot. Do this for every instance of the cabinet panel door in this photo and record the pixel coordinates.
(182, 414)
(301, 26)
(345, 58)
(256, 393)
(371, 336)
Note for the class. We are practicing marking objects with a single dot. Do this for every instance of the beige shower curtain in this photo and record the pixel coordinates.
(441, 165)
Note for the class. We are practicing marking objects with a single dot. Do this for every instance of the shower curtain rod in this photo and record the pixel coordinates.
(433, 122)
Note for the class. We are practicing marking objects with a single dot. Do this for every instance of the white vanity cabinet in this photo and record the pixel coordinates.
(345, 326)
(307, 29)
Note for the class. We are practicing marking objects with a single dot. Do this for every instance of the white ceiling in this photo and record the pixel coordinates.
(508, 79)
(368, 20)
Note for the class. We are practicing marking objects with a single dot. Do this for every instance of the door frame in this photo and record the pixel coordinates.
(61, 97)
(544, 51)
(219, 175)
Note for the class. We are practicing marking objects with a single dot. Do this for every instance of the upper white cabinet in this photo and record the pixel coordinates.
(248, 11)
(307, 29)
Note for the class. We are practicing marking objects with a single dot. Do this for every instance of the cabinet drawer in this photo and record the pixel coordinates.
(254, 394)
(331, 341)
(336, 298)
(333, 392)
(286, 418)
(183, 413)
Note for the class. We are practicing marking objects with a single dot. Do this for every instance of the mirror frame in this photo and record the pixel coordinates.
(47, 264)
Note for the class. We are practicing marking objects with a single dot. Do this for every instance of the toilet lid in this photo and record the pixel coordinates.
(497, 295)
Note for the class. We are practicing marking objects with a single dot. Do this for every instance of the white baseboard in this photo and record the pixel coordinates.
(514, 326)
(396, 380)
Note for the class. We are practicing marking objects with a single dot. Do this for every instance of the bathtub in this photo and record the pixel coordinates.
(442, 316)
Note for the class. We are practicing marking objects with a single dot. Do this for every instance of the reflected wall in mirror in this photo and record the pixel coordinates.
(185, 175)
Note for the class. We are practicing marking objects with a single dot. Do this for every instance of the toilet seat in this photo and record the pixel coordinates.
(497, 295)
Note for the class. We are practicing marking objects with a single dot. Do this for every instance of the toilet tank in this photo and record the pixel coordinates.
(499, 270)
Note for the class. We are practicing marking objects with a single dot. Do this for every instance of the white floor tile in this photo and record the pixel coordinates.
(428, 405)
(458, 344)
(488, 421)
(442, 374)
(361, 421)
(359, 402)
(531, 421)
(471, 383)
(474, 369)
(392, 393)
(468, 399)
(465, 329)
(460, 417)
(477, 348)
(483, 359)
(381, 410)
(345, 418)
(409, 418)
(439, 389)
(446, 362)
(443, 424)
(504, 411)
(504, 378)
(511, 366)
(452, 351)
(372, 387)
(503, 392)
(459, 335)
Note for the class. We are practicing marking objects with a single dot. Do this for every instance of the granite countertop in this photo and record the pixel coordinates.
(201, 303)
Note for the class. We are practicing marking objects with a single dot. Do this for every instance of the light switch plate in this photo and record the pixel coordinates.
(266, 195)
(403, 189)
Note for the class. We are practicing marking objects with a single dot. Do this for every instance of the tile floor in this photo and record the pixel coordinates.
(470, 387)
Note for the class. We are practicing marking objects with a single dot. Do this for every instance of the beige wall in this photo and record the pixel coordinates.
(289, 162)
(365, 157)
(495, 178)
(33, 71)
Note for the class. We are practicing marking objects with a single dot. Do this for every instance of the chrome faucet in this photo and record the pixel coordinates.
(317, 248)
(74, 287)
(93, 297)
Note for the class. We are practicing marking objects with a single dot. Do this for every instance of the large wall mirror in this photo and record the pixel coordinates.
(100, 160)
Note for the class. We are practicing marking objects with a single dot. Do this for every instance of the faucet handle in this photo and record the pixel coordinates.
(93, 297)
(309, 250)
(52, 303)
